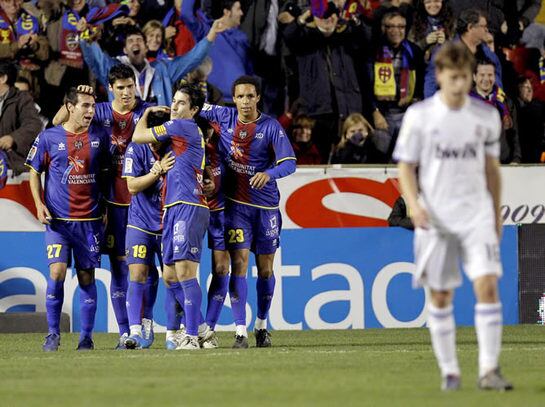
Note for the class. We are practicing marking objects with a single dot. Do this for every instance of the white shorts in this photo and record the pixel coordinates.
(438, 256)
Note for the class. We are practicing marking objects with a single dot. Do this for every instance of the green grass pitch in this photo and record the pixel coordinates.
(374, 367)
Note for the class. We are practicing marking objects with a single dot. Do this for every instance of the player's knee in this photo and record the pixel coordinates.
(265, 273)
(486, 289)
(57, 271)
(85, 277)
(441, 299)
(221, 269)
(138, 274)
(239, 265)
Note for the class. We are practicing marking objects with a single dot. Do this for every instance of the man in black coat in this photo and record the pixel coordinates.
(19, 119)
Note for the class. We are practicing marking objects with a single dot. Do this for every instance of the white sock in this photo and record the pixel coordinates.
(136, 330)
(241, 331)
(182, 327)
(171, 334)
(260, 323)
(488, 324)
(443, 339)
(202, 328)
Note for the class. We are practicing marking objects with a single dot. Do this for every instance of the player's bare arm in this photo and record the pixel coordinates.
(139, 184)
(35, 182)
(209, 187)
(493, 182)
(409, 188)
(142, 134)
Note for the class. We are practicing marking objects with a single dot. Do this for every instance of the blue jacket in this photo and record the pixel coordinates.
(230, 53)
(430, 84)
(163, 73)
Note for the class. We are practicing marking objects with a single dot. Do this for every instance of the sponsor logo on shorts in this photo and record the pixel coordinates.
(194, 250)
(179, 232)
(176, 249)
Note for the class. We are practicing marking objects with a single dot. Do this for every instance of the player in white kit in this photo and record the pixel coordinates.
(448, 151)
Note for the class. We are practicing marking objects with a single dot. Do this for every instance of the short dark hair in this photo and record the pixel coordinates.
(196, 96)
(228, 4)
(120, 71)
(8, 68)
(484, 61)
(72, 95)
(394, 12)
(467, 17)
(133, 30)
(247, 80)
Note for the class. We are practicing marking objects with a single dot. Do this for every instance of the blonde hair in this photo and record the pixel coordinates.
(352, 120)
(153, 25)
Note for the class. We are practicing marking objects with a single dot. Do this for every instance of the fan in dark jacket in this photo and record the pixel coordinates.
(328, 82)
(19, 119)
(531, 122)
(357, 145)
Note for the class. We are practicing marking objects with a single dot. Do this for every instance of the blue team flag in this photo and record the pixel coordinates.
(3, 168)
(318, 7)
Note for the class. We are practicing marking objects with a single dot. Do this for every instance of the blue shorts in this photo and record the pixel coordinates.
(249, 227)
(114, 237)
(80, 239)
(216, 230)
(183, 232)
(142, 247)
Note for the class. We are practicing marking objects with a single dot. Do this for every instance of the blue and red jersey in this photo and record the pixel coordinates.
(73, 164)
(120, 128)
(146, 208)
(213, 160)
(184, 180)
(246, 149)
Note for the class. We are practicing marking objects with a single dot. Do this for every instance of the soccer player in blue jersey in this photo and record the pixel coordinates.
(144, 171)
(256, 152)
(74, 157)
(119, 118)
(186, 217)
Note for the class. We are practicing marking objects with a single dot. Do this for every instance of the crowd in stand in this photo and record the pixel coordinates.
(339, 75)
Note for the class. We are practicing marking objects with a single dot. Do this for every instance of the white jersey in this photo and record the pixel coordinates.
(450, 148)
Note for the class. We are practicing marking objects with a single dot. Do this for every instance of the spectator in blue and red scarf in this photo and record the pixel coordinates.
(396, 73)
(487, 90)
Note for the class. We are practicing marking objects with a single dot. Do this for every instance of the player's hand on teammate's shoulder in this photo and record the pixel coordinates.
(86, 89)
(259, 180)
(44, 216)
(167, 162)
(420, 217)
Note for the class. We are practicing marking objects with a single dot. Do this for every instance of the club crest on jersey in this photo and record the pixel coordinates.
(78, 144)
(122, 124)
(242, 134)
(61, 147)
